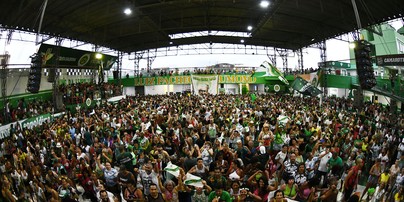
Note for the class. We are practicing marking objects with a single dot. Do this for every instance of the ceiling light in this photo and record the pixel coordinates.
(264, 4)
(98, 56)
(249, 28)
(352, 45)
(127, 11)
(242, 41)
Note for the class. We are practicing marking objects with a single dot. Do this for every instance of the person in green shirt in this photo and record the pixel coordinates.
(335, 163)
(125, 158)
(219, 195)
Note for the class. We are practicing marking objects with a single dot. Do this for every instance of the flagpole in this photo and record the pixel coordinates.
(321, 99)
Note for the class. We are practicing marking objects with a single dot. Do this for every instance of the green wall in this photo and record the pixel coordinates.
(29, 97)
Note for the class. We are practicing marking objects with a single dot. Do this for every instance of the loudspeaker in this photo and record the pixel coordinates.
(364, 64)
(115, 74)
(34, 78)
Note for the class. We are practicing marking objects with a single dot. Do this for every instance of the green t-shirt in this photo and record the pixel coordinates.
(125, 158)
(335, 162)
(224, 197)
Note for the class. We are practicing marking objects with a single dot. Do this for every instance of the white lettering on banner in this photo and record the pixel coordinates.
(388, 60)
(37, 121)
(5, 130)
(305, 87)
(27, 123)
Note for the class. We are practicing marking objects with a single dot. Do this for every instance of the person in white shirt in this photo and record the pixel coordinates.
(281, 156)
(310, 165)
(149, 176)
(322, 167)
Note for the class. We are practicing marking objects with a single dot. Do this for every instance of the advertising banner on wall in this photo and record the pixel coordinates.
(35, 121)
(72, 58)
(205, 84)
(181, 80)
(390, 60)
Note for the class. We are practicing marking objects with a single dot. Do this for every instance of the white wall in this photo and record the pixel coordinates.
(18, 78)
(339, 92)
(155, 90)
(232, 88)
(179, 88)
(260, 88)
(17, 82)
(130, 91)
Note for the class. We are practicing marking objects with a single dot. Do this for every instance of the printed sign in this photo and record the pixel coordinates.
(390, 60)
(72, 58)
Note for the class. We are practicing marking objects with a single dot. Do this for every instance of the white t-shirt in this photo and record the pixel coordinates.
(280, 157)
(323, 161)
(310, 164)
(148, 179)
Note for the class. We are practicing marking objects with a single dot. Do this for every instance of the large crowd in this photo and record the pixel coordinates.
(77, 93)
(270, 148)
(177, 72)
(23, 109)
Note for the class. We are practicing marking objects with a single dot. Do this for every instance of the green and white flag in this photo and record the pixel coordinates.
(273, 71)
(315, 78)
(283, 120)
(172, 169)
(253, 97)
(304, 87)
(159, 130)
(193, 180)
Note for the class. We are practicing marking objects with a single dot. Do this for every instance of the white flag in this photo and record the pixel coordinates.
(172, 169)
(193, 180)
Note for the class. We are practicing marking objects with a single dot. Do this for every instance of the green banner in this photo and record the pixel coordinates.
(35, 121)
(72, 58)
(335, 64)
(304, 87)
(178, 80)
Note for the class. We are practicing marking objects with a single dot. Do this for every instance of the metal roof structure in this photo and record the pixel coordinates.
(288, 24)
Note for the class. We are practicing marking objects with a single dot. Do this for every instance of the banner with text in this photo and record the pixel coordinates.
(72, 58)
(5, 130)
(36, 121)
(180, 80)
(205, 84)
(390, 60)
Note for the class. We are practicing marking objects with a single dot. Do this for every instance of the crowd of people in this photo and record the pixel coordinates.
(24, 109)
(77, 93)
(177, 72)
(275, 148)
(300, 71)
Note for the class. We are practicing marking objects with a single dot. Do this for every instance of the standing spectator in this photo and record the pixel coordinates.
(219, 194)
(351, 180)
(110, 175)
